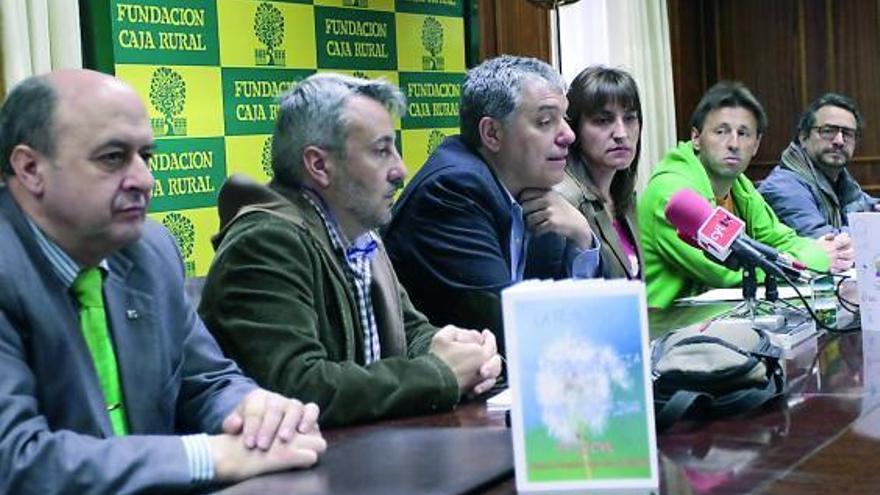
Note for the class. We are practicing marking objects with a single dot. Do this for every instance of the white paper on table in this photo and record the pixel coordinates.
(735, 294)
(500, 401)
(866, 244)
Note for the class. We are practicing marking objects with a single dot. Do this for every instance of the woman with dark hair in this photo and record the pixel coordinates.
(605, 113)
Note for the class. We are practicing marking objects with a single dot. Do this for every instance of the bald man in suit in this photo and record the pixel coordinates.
(74, 153)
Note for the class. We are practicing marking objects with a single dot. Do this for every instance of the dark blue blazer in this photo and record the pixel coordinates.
(449, 239)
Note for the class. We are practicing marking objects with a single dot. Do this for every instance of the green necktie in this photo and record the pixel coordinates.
(93, 321)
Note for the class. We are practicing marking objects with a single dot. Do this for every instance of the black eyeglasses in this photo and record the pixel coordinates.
(829, 132)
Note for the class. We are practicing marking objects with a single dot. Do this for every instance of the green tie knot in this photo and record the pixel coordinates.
(87, 288)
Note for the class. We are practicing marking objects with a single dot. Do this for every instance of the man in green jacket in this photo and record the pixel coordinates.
(726, 130)
(302, 293)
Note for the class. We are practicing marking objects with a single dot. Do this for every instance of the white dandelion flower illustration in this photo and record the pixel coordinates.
(574, 390)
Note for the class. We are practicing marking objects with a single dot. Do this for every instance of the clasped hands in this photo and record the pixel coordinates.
(471, 355)
(840, 250)
(267, 432)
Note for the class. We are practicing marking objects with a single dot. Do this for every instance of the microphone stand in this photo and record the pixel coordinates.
(750, 288)
(753, 308)
(771, 289)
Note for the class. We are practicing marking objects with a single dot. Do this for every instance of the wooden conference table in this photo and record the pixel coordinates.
(823, 439)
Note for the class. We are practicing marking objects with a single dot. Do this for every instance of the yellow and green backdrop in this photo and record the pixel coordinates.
(210, 73)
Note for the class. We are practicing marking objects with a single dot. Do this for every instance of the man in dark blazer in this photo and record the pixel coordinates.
(74, 152)
(462, 225)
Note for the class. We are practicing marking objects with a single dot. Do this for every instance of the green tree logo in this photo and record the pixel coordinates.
(356, 3)
(269, 29)
(434, 139)
(183, 231)
(432, 41)
(168, 95)
(266, 160)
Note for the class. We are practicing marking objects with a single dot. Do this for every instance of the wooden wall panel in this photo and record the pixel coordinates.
(763, 52)
(515, 27)
(856, 51)
(688, 52)
(816, 47)
(788, 52)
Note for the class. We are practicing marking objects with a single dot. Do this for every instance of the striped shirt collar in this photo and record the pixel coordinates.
(62, 264)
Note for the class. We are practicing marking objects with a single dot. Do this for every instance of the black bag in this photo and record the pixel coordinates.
(705, 372)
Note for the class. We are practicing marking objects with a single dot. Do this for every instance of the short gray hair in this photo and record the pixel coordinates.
(312, 114)
(493, 89)
(27, 118)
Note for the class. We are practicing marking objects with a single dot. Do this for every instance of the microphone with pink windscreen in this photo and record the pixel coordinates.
(687, 211)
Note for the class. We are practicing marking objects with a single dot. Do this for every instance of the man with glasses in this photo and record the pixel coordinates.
(811, 189)
(726, 130)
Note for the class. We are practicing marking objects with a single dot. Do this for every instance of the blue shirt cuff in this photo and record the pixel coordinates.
(200, 457)
(585, 262)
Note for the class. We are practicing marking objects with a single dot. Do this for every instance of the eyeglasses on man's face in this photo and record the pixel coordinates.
(828, 132)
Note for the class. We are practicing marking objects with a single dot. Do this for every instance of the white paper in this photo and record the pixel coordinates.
(867, 248)
(735, 294)
(500, 401)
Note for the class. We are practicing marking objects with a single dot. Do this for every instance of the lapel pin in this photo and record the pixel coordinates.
(132, 314)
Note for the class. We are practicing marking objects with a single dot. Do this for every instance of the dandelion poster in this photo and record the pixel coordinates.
(582, 407)
(210, 73)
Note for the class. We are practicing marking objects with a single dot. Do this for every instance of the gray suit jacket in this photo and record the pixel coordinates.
(54, 434)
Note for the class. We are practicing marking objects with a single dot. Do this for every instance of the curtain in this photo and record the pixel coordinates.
(37, 37)
(2, 82)
(632, 35)
(649, 56)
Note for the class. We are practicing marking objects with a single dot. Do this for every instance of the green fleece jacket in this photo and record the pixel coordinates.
(675, 269)
(278, 302)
